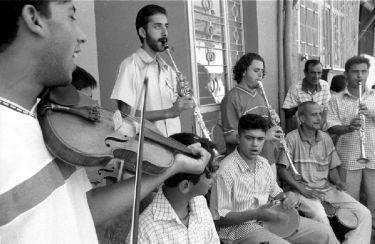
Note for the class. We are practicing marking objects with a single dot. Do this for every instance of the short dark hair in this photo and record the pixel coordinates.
(243, 63)
(338, 83)
(144, 14)
(356, 60)
(252, 122)
(188, 139)
(82, 79)
(311, 62)
(302, 107)
(10, 11)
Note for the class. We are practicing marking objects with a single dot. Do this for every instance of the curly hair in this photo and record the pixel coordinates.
(243, 63)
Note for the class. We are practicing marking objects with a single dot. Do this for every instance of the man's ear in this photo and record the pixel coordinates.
(142, 32)
(184, 186)
(33, 21)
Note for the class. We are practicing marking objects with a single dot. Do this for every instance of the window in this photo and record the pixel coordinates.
(216, 37)
(328, 30)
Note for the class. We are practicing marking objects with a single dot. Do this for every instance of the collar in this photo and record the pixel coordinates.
(163, 210)
(242, 164)
(318, 135)
(304, 88)
(146, 58)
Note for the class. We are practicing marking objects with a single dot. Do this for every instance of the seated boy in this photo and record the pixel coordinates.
(179, 211)
(243, 186)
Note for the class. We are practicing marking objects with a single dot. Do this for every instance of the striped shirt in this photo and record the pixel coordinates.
(298, 93)
(238, 189)
(159, 223)
(342, 109)
(313, 158)
(42, 200)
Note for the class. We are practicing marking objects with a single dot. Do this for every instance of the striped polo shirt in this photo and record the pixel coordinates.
(42, 200)
(237, 188)
(313, 158)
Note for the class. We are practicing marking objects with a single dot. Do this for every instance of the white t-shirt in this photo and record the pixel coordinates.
(42, 200)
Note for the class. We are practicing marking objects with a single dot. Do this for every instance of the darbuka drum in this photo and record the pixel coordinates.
(287, 225)
(342, 220)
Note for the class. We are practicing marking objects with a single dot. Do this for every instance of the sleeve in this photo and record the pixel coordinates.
(229, 114)
(290, 99)
(326, 96)
(221, 197)
(275, 188)
(333, 157)
(333, 117)
(125, 86)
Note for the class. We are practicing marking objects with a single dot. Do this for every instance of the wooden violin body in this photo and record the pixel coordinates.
(83, 134)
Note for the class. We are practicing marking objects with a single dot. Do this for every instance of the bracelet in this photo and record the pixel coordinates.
(350, 128)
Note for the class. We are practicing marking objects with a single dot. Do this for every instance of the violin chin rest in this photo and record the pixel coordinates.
(64, 95)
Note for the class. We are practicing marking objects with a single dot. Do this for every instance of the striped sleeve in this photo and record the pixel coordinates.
(224, 195)
(290, 99)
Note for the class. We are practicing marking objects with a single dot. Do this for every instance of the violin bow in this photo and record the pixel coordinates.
(138, 174)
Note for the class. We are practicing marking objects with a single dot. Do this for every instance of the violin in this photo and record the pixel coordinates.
(79, 132)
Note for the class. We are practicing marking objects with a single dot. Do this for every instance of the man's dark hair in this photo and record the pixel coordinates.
(311, 63)
(302, 107)
(144, 14)
(338, 83)
(10, 11)
(252, 122)
(188, 139)
(82, 79)
(356, 60)
(243, 63)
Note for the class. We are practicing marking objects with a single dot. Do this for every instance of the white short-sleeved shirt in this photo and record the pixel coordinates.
(42, 200)
(161, 93)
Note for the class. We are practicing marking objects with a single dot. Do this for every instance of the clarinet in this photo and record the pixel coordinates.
(362, 134)
(185, 91)
(282, 139)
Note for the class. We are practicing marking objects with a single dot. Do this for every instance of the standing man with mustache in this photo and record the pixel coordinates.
(311, 88)
(163, 105)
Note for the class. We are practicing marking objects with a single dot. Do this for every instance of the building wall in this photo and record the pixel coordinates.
(88, 58)
(260, 33)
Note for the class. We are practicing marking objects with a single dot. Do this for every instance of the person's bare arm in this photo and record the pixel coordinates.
(111, 201)
(178, 107)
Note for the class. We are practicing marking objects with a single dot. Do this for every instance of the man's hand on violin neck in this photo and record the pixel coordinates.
(186, 164)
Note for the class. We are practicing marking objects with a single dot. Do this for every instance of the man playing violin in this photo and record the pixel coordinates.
(179, 211)
(243, 186)
(315, 157)
(163, 105)
(43, 200)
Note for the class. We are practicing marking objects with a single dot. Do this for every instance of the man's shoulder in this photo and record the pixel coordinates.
(293, 134)
(228, 165)
(296, 85)
(324, 85)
